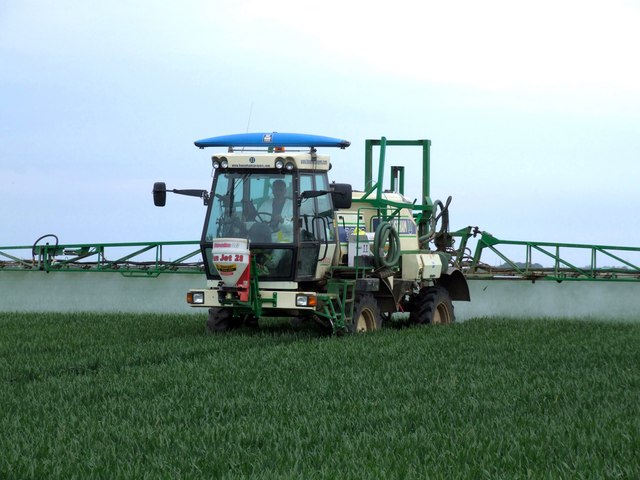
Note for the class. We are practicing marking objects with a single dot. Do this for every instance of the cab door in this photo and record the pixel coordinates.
(317, 240)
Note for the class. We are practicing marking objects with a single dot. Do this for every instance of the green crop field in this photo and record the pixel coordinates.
(153, 396)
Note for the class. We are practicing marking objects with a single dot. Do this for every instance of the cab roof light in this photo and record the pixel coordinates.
(219, 162)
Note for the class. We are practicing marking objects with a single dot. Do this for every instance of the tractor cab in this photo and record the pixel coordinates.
(291, 231)
(277, 198)
(271, 198)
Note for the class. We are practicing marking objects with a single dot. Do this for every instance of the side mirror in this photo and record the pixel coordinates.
(159, 194)
(341, 194)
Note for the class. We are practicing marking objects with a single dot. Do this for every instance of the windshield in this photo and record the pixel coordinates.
(259, 207)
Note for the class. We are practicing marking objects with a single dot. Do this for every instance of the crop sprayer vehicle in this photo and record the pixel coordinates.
(280, 240)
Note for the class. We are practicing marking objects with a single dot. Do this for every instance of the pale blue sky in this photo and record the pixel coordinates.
(533, 108)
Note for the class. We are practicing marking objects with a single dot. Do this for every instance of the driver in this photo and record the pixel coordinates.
(281, 209)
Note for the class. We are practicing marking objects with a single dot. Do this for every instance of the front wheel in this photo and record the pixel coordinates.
(221, 320)
(432, 305)
(366, 314)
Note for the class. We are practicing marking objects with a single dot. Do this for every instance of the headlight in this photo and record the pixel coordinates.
(289, 166)
(216, 164)
(196, 298)
(279, 163)
(305, 300)
(224, 163)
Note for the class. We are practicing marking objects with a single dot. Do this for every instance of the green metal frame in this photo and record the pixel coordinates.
(421, 211)
(129, 259)
(562, 269)
(337, 304)
(148, 260)
(383, 143)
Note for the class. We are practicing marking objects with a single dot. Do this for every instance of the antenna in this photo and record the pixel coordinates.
(248, 120)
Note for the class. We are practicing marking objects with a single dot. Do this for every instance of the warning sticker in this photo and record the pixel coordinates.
(225, 268)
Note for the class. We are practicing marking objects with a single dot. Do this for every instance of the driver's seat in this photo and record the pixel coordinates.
(260, 233)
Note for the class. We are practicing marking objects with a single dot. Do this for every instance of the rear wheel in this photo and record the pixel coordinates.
(221, 320)
(366, 314)
(432, 305)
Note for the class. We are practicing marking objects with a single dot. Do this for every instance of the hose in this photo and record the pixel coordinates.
(439, 236)
(35, 244)
(386, 233)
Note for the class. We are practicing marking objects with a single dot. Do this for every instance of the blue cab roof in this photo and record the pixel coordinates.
(271, 139)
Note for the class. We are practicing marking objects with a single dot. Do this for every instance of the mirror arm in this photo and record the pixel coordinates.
(203, 194)
(311, 194)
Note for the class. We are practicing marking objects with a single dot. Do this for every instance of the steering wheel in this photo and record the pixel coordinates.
(259, 217)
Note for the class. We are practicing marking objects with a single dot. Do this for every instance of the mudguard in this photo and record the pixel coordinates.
(455, 282)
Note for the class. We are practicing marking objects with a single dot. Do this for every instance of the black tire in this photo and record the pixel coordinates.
(366, 314)
(221, 320)
(250, 321)
(432, 305)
